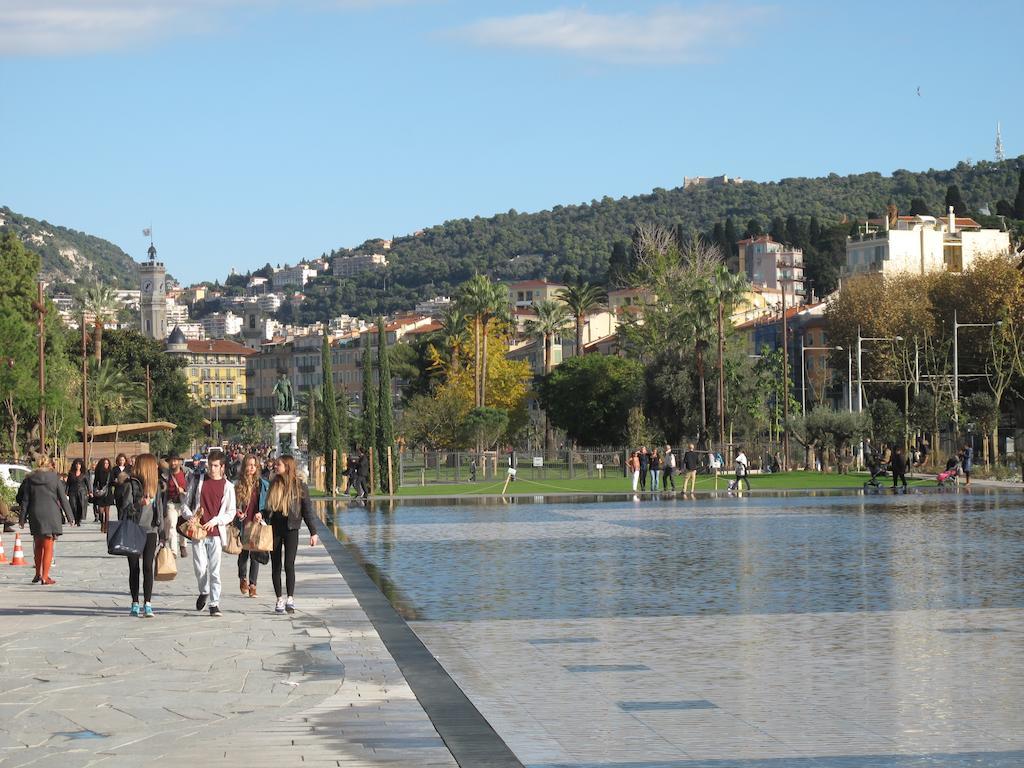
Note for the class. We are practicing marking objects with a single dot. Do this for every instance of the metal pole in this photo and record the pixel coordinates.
(849, 379)
(85, 399)
(803, 379)
(41, 309)
(721, 376)
(956, 378)
(860, 376)
(785, 384)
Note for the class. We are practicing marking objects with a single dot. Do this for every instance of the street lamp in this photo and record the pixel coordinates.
(956, 363)
(860, 378)
(803, 371)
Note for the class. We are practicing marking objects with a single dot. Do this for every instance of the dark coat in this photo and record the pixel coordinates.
(301, 510)
(363, 467)
(128, 490)
(80, 486)
(899, 464)
(44, 503)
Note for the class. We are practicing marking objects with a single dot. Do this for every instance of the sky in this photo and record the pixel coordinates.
(255, 131)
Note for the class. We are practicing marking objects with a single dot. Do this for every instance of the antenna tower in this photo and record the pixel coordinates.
(1000, 155)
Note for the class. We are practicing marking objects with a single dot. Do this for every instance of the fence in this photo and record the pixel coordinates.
(433, 467)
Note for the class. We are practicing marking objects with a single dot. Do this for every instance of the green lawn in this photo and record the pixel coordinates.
(618, 484)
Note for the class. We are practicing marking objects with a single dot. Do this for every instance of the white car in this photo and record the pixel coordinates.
(11, 475)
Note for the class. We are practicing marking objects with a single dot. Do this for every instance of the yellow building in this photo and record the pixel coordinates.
(215, 370)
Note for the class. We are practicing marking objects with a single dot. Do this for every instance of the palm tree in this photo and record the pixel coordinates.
(101, 302)
(113, 396)
(485, 302)
(552, 318)
(727, 289)
(582, 300)
(454, 334)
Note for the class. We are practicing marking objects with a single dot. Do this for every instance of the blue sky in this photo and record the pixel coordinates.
(249, 131)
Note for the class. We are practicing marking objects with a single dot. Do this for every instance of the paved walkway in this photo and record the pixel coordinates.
(83, 684)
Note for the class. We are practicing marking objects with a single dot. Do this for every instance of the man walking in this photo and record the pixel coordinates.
(690, 463)
(899, 468)
(645, 465)
(211, 497)
(177, 483)
(742, 470)
(363, 474)
(670, 469)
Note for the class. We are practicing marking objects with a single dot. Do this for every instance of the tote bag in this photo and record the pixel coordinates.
(166, 564)
(126, 538)
(258, 537)
(234, 545)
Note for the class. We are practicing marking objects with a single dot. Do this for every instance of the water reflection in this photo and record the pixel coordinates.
(588, 558)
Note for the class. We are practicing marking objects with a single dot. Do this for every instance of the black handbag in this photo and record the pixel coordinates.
(126, 538)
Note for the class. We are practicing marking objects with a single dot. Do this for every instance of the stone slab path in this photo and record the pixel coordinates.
(83, 684)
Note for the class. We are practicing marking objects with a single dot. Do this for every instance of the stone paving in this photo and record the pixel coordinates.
(83, 684)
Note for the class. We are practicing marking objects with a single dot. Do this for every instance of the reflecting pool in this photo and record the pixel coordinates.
(834, 629)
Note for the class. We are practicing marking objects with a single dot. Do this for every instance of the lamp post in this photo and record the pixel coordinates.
(860, 377)
(803, 371)
(956, 363)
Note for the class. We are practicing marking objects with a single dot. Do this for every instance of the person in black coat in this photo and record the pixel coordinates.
(43, 499)
(102, 482)
(899, 468)
(79, 489)
(363, 474)
(288, 506)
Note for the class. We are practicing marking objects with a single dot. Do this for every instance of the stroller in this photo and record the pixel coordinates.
(876, 469)
(948, 477)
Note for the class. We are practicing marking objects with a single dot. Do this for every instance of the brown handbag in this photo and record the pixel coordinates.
(191, 528)
(234, 545)
(166, 564)
(258, 537)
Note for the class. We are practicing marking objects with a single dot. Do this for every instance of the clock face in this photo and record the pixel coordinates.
(147, 286)
(159, 287)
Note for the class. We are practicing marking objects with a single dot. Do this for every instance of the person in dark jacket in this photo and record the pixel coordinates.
(43, 499)
(363, 474)
(289, 506)
(102, 479)
(79, 488)
(141, 497)
(898, 462)
(645, 465)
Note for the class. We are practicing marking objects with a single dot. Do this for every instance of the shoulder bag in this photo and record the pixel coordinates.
(126, 538)
(166, 564)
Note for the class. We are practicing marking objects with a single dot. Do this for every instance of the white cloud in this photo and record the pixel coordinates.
(60, 27)
(668, 34)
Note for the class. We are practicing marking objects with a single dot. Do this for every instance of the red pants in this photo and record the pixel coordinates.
(43, 555)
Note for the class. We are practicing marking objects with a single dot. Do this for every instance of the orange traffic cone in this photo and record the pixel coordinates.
(18, 558)
(3, 557)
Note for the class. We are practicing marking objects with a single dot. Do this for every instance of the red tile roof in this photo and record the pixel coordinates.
(219, 347)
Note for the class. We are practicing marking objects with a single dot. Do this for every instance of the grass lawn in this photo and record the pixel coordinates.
(618, 484)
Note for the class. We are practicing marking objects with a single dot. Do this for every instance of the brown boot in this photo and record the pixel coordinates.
(252, 590)
(243, 585)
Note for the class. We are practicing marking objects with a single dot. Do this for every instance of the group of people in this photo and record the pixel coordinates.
(357, 474)
(161, 495)
(894, 460)
(661, 468)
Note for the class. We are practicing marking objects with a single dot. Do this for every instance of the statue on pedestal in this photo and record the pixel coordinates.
(283, 391)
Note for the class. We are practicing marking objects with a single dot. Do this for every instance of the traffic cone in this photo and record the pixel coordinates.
(18, 558)
(3, 557)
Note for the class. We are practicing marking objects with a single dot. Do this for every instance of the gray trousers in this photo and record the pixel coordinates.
(206, 564)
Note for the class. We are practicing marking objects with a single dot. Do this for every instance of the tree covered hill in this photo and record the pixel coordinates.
(574, 242)
(67, 252)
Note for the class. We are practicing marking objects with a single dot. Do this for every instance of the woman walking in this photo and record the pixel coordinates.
(251, 498)
(288, 505)
(43, 500)
(102, 478)
(141, 498)
(633, 467)
(655, 461)
(78, 487)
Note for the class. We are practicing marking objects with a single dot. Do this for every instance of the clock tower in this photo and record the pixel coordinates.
(153, 297)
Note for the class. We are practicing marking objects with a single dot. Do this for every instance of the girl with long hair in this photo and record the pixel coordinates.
(251, 490)
(79, 489)
(288, 505)
(102, 478)
(141, 498)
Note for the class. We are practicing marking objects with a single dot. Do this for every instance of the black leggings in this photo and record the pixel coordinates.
(148, 563)
(247, 561)
(288, 541)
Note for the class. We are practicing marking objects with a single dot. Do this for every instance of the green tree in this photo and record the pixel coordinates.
(982, 413)
(954, 198)
(331, 438)
(618, 264)
(485, 426)
(918, 207)
(369, 409)
(552, 318)
(1018, 200)
(590, 397)
(581, 300)
(385, 416)
(886, 422)
(485, 302)
(101, 302)
(19, 366)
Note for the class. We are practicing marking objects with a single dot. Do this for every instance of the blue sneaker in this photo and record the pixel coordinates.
(147, 612)
(135, 610)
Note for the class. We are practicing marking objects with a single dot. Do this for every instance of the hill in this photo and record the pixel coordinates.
(66, 252)
(575, 241)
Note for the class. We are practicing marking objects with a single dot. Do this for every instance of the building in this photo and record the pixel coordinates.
(349, 266)
(295, 277)
(769, 264)
(921, 244)
(216, 372)
(220, 325)
(193, 294)
(269, 302)
(193, 331)
(434, 306)
(710, 181)
(527, 293)
(176, 314)
(622, 300)
(153, 297)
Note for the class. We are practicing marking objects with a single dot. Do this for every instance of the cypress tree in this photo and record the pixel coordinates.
(331, 439)
(1018, 201)
(918, 207)
(369, 408)
(618, 264)
(953, 198)
(385, 417)
(731, 237)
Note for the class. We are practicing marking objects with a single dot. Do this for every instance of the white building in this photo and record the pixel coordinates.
(269, 302)
(921, 244)
(177, 314)
(296, 277)
(220, 325)
(773, 265)
(193, 331)
(346, 324)
(256, 285)
(348, 266)
(434, 306)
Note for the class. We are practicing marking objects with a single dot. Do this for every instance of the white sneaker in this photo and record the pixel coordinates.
(279, 608)
(289, 604)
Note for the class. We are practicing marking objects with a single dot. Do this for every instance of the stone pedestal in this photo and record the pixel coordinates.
(286, 437)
